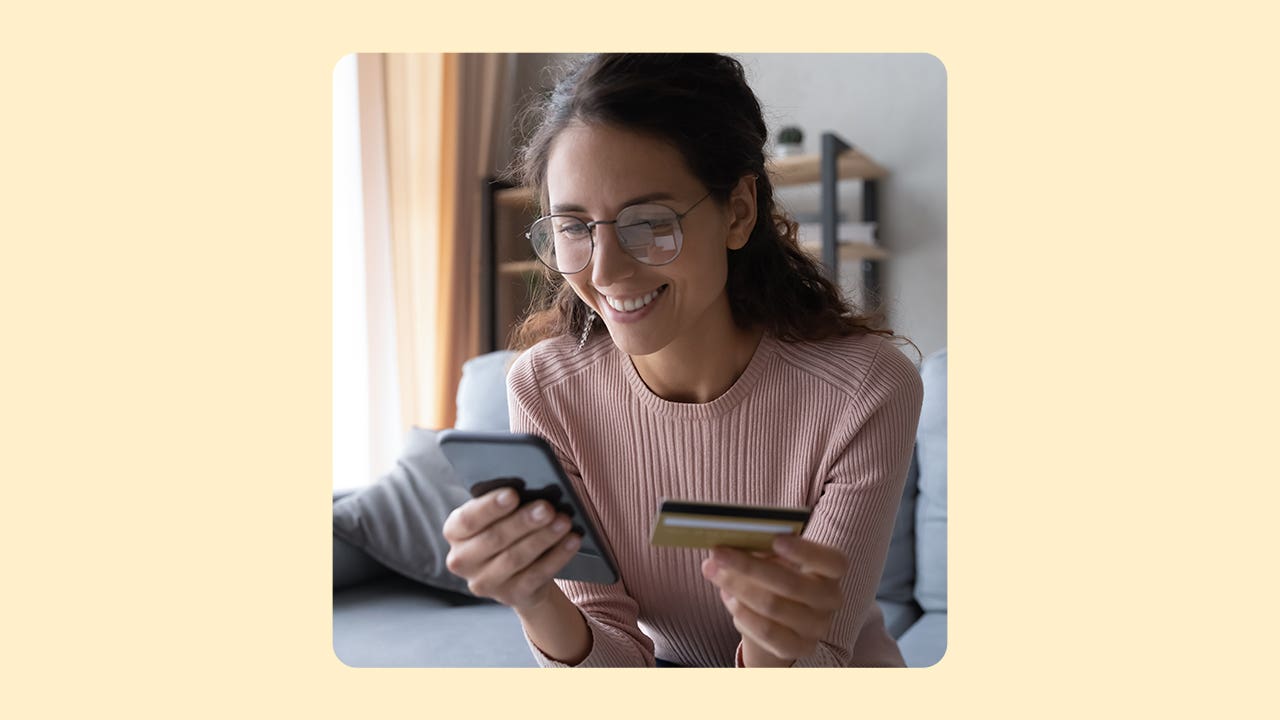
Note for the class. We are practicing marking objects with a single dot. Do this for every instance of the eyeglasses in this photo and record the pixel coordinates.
(649, 233)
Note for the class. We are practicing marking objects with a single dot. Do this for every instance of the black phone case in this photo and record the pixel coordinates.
(485, 461)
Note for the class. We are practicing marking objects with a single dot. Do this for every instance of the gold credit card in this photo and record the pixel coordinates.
(685, 523)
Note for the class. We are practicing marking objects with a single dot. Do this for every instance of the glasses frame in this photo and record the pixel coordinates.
(591, 232)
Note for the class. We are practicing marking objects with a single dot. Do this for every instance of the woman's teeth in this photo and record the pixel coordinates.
(632, 304)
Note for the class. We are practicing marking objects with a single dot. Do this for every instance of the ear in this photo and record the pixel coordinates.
(742, 212)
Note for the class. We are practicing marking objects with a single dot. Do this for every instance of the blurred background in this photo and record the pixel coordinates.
(430, 266)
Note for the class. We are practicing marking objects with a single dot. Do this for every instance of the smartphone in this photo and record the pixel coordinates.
(486, 461)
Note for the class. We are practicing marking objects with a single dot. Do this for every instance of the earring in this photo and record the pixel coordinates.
(586, 329)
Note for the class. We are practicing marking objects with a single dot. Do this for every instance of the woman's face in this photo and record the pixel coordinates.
(593, 172)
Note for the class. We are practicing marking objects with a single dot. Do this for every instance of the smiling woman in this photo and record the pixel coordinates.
(725, 368)
(690, 305)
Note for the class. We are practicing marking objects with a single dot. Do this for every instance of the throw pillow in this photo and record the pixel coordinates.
(482, 392)
(897, 582)
(931, 503)
(399, 520)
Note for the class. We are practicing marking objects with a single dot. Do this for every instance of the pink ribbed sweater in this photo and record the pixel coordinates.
(827, 425)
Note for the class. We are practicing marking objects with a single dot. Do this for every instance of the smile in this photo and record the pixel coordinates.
(633, 304)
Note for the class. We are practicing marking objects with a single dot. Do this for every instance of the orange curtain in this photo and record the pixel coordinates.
(445, 116)
(475, 87)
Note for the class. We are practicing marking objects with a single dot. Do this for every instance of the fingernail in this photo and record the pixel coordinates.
(560, 525)
(710, 568)
(507, 498)
(572, 543)
(539, 512)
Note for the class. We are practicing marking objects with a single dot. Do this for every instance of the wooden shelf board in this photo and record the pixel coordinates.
(519, 267)
(802, 169)
(516, 197)
(850, 251)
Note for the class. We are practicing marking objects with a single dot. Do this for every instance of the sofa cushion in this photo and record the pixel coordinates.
(398, 623)
(898, 616)
(398, 519)
(931, 502)
(482, 392)
(351, 565)
(897, 582)
(925, 642)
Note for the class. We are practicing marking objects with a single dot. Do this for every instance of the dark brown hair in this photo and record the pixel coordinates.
(701, 104)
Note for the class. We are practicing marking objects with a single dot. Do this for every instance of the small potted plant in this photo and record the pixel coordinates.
(790, 141)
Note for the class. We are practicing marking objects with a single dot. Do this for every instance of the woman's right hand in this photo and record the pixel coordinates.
(507, 553)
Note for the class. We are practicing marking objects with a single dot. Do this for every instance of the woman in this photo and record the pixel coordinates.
(692, 351)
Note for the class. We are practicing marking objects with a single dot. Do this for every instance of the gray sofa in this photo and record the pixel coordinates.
(383, 619)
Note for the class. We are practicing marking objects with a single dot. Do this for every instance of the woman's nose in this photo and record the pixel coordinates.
(609, 263)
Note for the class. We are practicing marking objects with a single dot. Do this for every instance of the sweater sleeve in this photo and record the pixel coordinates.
(859, 500)
(610, 612)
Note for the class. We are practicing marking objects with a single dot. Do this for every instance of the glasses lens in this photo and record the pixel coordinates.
(650, 233)
(563, 243)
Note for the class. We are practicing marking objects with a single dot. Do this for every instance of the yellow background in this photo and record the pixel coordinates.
(164, 289)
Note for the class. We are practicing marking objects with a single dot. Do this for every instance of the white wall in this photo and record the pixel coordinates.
(893, 108)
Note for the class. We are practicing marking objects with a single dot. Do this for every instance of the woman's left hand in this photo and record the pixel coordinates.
(782, 604)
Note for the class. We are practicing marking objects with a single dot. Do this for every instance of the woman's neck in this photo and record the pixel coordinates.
(699, 366)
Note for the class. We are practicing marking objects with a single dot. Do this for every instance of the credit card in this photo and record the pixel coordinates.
(686, 523)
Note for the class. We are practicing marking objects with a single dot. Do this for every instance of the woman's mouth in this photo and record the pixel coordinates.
(633, 308)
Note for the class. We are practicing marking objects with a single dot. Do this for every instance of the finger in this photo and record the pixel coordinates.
(731, 569)
(771, 555)
(468, 557)
(544, 568)
(803, 620)
(475, 515)
(521, 554)
(812, 557)
(776, 639)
